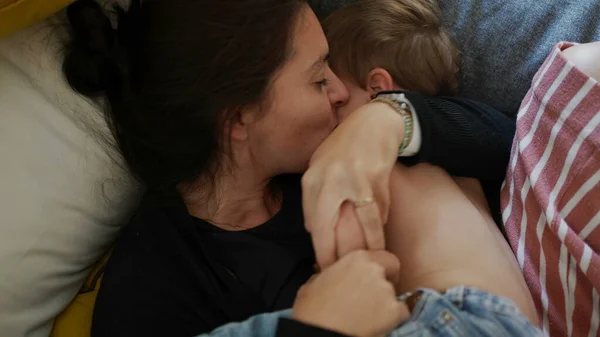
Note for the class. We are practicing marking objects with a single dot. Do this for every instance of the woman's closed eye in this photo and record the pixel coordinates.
(322, 83)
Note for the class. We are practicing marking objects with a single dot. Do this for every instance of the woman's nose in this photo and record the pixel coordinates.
(338, 93)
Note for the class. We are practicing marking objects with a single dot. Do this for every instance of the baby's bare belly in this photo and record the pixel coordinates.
(442, 231)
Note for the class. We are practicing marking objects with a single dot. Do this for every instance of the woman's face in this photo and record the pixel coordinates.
(303, 104)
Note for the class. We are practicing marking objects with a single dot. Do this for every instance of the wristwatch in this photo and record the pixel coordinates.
(403, 107)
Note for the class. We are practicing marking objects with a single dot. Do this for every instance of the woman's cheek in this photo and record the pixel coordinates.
(324, 114)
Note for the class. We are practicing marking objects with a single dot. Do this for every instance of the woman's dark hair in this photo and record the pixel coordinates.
(173, 72)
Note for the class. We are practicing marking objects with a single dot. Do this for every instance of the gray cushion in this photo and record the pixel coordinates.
(503, 43)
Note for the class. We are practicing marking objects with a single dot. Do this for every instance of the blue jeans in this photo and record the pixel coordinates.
(460, 311)
(464, 311)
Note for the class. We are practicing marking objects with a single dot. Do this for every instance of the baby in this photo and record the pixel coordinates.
(388, 45)
(382, 45)
(447, 242)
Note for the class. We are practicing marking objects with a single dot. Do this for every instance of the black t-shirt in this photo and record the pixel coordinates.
(171, 274)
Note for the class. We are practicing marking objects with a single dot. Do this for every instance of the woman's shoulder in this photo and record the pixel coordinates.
(158, 230)
(153, 234)
(148, 282)
(152, 228)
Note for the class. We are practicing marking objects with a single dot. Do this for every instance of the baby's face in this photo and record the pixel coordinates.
(357, 97)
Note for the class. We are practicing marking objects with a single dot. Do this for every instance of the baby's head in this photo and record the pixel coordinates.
(378, 45)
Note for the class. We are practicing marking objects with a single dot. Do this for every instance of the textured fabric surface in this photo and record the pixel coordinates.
(460, 311)
(464, 311)
(503, 43)
(56, 220)
(62, 197)
(18, 14)
(551, 197)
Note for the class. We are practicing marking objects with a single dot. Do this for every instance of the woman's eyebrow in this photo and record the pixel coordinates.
(319, 63)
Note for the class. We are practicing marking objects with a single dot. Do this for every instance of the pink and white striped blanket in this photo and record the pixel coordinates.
(551, 197)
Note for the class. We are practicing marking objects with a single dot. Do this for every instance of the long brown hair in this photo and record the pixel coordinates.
(173, 72)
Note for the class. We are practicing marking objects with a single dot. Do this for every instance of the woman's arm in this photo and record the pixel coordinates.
(354, 163)
(291, 328)
(353, 297)
(275, 324)
(464, 137)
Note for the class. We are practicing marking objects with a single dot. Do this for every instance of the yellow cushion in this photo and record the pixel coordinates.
(76, 319)
(18, 14)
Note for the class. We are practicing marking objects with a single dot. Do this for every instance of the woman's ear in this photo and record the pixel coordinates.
(238, 126)
(378, 80)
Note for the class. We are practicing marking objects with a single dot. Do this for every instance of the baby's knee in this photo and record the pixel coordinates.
(586, 57)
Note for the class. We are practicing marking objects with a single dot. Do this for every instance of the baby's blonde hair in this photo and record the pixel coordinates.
(404, 37)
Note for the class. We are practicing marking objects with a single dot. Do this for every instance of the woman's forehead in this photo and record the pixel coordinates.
(309, 46)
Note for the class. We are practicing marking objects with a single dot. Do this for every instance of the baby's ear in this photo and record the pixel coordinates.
(378, 80)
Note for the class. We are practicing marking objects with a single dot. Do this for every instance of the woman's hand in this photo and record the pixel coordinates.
(354, 296)
(352, 165)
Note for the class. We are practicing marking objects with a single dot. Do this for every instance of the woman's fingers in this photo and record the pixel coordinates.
(321, 225)
(322, 233)
(349, 235)
(389, 262)
(323, 238)
(367, 206)
(382, 195)
(341, 222)
(370, 220)
(311, 186)
(399, 311)
(352, 296)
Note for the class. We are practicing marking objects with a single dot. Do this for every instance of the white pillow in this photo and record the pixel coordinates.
(62, 197)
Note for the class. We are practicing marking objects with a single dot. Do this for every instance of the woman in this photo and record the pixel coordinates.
(216, 107)
(350, 298)
(458, 276)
